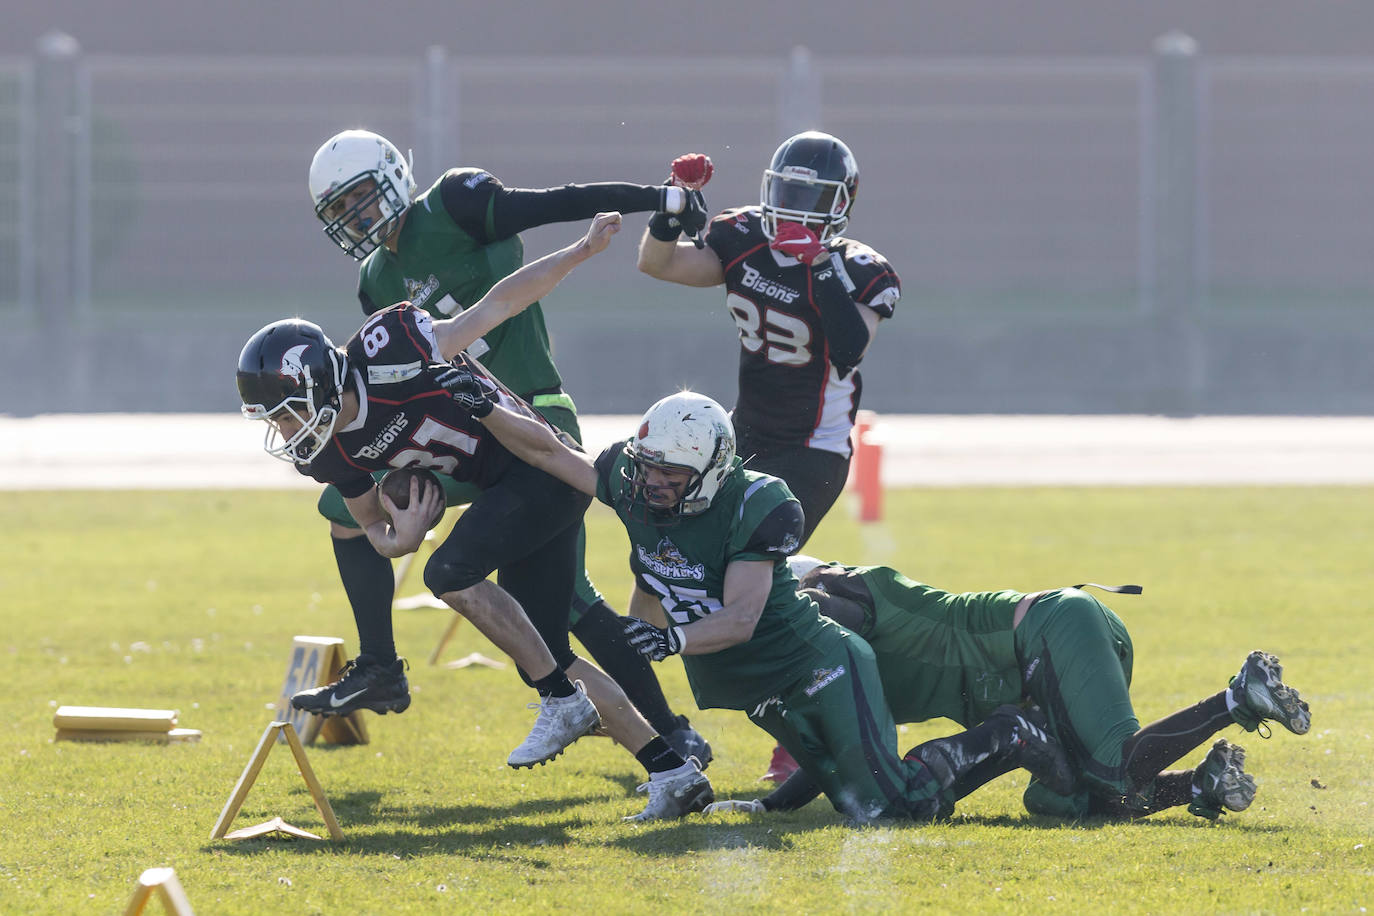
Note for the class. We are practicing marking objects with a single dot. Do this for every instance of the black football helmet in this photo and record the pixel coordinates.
(291, 371)
(812, 180)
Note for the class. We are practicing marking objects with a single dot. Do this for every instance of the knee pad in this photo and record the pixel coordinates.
(444, 574)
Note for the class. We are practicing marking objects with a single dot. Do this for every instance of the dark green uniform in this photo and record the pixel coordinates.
(955, 655)
(811, 684)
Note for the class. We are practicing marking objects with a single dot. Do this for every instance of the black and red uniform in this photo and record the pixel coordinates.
(797, 400)
(523, 524)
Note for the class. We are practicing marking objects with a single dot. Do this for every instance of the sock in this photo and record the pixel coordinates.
(554, 684)
(658, 757)
(601, 631)
(1160, 743)
(370, 585)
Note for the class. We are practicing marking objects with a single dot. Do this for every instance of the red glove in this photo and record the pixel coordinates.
(798, 241)
(692, 171)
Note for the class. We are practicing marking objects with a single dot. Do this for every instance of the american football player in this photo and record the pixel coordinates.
(441, 250)
(382, 402)
(964, 655)
(806, 301)
(709, 544)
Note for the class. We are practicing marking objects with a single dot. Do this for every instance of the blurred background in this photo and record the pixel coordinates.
(1094, 207)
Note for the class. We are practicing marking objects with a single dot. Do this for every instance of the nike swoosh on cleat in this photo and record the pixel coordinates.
(336, 702)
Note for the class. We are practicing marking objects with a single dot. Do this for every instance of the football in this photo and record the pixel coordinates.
(396, 486)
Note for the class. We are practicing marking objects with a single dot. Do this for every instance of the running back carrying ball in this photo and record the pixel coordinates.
(396, 486)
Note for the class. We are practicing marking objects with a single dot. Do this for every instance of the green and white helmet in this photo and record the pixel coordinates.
(345, 161)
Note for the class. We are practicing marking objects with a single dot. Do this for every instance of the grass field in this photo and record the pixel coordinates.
(190, 600)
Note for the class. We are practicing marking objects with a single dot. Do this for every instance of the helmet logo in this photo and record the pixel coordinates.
(799, 171)
(291, 363)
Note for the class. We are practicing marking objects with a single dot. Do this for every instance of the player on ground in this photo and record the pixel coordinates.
(442, 250)
(381, 403)
(961, 656)
(709, 541)
(807, 302)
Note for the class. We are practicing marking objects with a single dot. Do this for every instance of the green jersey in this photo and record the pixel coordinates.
(752, 517)
(443, 268)
(940, 654)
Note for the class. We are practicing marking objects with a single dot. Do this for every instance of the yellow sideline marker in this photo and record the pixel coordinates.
(250, 775)
(163, 884)
(110, 723)
(316, 661)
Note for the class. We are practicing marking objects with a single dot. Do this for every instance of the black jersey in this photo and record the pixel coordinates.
(789, 392)
(405, 418)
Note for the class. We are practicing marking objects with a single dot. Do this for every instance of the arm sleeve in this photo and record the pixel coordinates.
(846, 335)
(489, 211)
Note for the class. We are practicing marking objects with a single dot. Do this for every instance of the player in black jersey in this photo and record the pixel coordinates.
(807, 302)
(382, 402)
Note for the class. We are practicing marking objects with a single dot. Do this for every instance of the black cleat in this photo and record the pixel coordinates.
(688, 742)
(363, 684)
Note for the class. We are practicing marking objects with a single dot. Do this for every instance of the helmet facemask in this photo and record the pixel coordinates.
(648, 499)
(797, 195)
(687, 433)
(315, 425)
(353, 231)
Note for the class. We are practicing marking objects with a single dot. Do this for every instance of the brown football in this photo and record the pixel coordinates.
(396, 486)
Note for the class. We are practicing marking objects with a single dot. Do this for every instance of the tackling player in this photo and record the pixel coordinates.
(709, 541)
(442, 250)
(807, 302)
(380, 403)
(963, 655)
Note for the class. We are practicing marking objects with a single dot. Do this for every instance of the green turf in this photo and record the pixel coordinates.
(190, 600)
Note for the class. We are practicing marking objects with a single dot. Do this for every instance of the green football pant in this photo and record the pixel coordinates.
(1076, 659)
(559, 410)
(835, 723)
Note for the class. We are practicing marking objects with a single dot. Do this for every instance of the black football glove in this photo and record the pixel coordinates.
(651, 642)
(465, 388)
(666, 227)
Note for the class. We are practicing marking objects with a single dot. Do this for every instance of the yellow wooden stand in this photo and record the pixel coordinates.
(250, 775)
(316, 661)
(163, 884)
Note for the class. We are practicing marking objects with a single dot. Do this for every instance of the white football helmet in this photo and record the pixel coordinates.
(684, 431)
(346, 161)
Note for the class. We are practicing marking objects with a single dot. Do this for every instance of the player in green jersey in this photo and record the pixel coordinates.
(709, 541)
(963, 655)
(442, 250)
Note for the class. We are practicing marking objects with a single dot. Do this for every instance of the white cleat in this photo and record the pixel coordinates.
(674, 793)
(561, 721)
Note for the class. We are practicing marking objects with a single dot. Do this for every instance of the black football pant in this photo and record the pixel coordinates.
(525, 528)
(816, 477)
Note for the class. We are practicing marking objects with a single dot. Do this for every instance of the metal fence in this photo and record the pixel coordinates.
(1167, 233)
